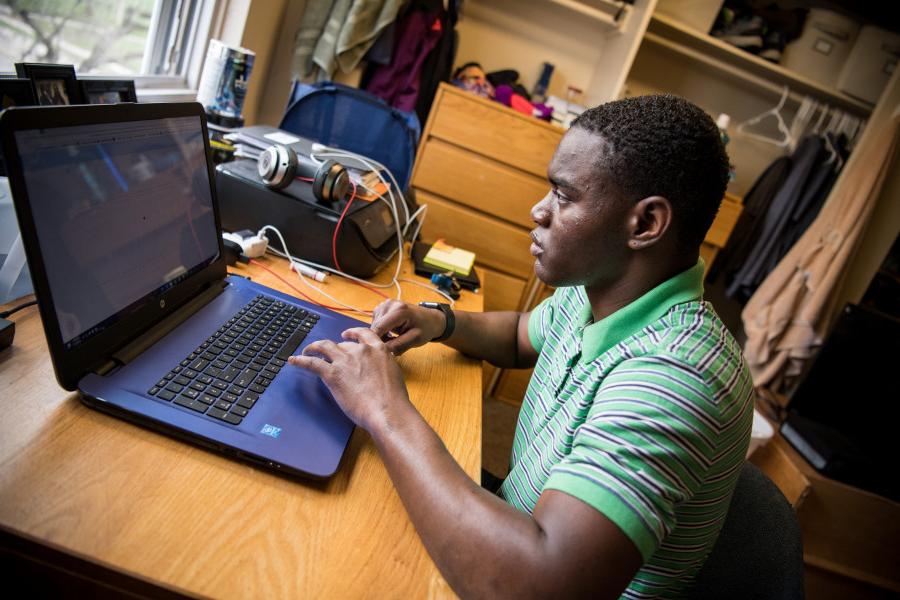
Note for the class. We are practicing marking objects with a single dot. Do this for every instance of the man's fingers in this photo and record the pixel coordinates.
(386, 323)
(326, 348)
(310, 363)
(402, 343)
(362, 335)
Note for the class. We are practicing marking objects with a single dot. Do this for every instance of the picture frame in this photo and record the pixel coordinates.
(15, 92)
(107, 91)
(51, 84)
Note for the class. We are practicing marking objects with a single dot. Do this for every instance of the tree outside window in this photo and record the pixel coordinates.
(108, 37)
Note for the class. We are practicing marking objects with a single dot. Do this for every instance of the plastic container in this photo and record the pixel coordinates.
(870, 64)
(822, 49)
(761, 434)
(696, 14)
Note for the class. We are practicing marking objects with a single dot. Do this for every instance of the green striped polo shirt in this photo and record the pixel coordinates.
(644, 415)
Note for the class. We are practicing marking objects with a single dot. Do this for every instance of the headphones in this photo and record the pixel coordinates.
(279, 166)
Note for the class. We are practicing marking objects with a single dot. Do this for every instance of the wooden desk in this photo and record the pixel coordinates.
(86, 493)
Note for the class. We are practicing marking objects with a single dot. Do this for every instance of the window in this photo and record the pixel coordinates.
(159, 43)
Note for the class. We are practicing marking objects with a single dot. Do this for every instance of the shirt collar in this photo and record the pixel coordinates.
(599, 337)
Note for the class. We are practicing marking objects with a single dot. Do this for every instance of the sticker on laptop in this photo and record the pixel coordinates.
(270, 430)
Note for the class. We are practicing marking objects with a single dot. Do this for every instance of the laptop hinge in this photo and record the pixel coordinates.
(134, 349)
(106, 368)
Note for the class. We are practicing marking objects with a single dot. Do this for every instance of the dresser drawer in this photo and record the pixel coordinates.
(501, 291)
(728, 214)
(479, 182)
(708, 253)
(512, 385)
(494, 131)
(496, 244)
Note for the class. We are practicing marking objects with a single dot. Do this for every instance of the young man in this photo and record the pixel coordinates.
(637, 418)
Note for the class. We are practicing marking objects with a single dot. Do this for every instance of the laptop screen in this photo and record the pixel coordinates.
(121, 211)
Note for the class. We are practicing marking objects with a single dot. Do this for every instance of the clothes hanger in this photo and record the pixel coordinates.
(801, 120)
(832, 130)
(782, 142)
(818, 128)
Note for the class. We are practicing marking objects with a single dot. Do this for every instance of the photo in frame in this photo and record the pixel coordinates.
(107, 91)
(15, 92)
(52, 85)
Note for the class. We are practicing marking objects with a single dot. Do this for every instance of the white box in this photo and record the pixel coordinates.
(696, 14)
(823, 47)
(870, 64)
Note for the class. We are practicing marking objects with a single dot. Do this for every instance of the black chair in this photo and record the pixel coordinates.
(759, 553)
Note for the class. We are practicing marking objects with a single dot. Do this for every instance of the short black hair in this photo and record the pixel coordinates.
(663, 145)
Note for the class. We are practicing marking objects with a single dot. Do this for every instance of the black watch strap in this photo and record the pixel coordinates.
(448, 313)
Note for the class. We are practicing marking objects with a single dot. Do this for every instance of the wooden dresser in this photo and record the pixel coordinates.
(480, 168)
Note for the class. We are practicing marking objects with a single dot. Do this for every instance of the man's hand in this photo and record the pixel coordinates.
(361, 373)
(404, 326)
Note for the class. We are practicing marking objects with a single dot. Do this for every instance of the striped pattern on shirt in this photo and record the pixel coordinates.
(652, 432)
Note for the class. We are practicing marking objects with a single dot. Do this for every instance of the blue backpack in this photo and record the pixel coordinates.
(351, 119)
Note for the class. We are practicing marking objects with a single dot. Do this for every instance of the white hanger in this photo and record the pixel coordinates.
(818, 128)
(833, 128)
(782, 142)
(801, 120)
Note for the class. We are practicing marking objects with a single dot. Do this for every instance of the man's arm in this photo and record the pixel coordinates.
(501, 338)
(483, 546)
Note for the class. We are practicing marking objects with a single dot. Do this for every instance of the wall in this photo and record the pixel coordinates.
(658, 70)
(264, 21)
(506, 34)
(499, 34)
(276, 81)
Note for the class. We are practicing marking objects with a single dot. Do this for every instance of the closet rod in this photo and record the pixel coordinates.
(742, 75)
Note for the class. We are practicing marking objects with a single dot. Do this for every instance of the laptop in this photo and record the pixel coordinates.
(118, 214)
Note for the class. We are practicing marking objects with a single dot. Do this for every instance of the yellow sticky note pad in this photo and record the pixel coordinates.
(444, 256)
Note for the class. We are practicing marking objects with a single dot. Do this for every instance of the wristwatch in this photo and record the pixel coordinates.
(448, 313)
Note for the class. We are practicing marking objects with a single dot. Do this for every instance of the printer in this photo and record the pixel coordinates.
(367, 239)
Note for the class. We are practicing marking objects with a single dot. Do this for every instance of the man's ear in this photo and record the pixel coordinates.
(648, 222)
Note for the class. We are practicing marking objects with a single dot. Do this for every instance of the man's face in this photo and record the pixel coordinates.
(581, 233)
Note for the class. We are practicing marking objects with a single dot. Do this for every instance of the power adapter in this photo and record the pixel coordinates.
(7, 332)
(252, 245)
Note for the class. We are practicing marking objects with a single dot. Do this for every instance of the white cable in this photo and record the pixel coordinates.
(428, 287)
(412, 241)
(337, 152)
(331, 270)
(292, 259)
(341, 274)
(393, 204)
(330, 297)
(376, 168)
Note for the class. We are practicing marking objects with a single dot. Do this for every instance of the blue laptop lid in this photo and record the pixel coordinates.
(75, 188)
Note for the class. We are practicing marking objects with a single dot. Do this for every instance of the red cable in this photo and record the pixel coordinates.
(287, 283)
(338, 228)
(305, 178)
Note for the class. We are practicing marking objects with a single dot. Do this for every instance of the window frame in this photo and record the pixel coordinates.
(187, 40)
(183, 43)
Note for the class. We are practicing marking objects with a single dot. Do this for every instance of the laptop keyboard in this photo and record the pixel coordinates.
(224, 377)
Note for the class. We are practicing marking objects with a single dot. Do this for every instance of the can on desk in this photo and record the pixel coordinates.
(223, 82)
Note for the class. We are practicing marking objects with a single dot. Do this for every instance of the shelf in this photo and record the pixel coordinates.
(602, 11)
(668, 33)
